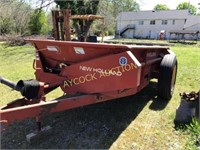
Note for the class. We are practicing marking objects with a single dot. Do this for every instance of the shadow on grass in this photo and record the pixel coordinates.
(91, 127)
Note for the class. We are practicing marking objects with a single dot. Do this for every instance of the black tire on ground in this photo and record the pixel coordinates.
(167, 76)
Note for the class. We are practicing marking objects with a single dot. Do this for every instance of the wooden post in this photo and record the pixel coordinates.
(66, 20)
(61, 24)
(55, 31)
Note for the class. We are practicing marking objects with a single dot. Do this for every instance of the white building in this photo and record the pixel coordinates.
(148, 24)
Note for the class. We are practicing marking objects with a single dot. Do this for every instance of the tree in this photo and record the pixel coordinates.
(105, 9)
(124, 5)
(37, 22)
(14, 17)
(80, 7)
(5, 25)
(111, 8)
(161, 7)
(186, 5)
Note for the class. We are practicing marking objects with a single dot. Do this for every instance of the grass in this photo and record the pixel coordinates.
(139, 40)
(14, 65)
(194, 129)
(140, 121)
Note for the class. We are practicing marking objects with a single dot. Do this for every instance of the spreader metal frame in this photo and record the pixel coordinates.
(88, 73)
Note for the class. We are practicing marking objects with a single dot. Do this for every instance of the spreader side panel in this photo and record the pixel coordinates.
(103, 74)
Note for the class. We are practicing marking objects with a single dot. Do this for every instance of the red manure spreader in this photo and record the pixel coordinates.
(88, 73)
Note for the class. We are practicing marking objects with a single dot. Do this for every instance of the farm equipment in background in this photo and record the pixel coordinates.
(88, 73)
(62, 29)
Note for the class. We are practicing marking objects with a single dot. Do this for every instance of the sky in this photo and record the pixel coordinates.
(172, 4)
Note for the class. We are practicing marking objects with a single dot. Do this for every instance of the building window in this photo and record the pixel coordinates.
(152, 22)
(164, 22)
(173, 21)
(141, 22)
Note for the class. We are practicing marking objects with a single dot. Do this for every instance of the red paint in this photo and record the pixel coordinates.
(98, 72)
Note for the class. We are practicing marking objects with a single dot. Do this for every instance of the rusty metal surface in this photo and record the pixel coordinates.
(86, 17)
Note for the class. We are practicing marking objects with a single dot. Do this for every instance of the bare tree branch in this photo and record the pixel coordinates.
(44, 3)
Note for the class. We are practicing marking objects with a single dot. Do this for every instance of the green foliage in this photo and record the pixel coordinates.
(161, 7)
(14, 17)
(45, 27)
(194, 128)
(111, 8)
(80, 7)
(38, 22)
(126, 5)
(186, 5)
(5, 25)
(194, 131)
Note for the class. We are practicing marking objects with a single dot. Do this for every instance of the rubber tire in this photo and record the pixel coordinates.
(167, 76)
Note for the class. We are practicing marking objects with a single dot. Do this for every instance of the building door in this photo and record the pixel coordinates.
(152, 34)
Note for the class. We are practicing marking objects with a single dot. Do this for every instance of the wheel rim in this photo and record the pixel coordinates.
(173, 79)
